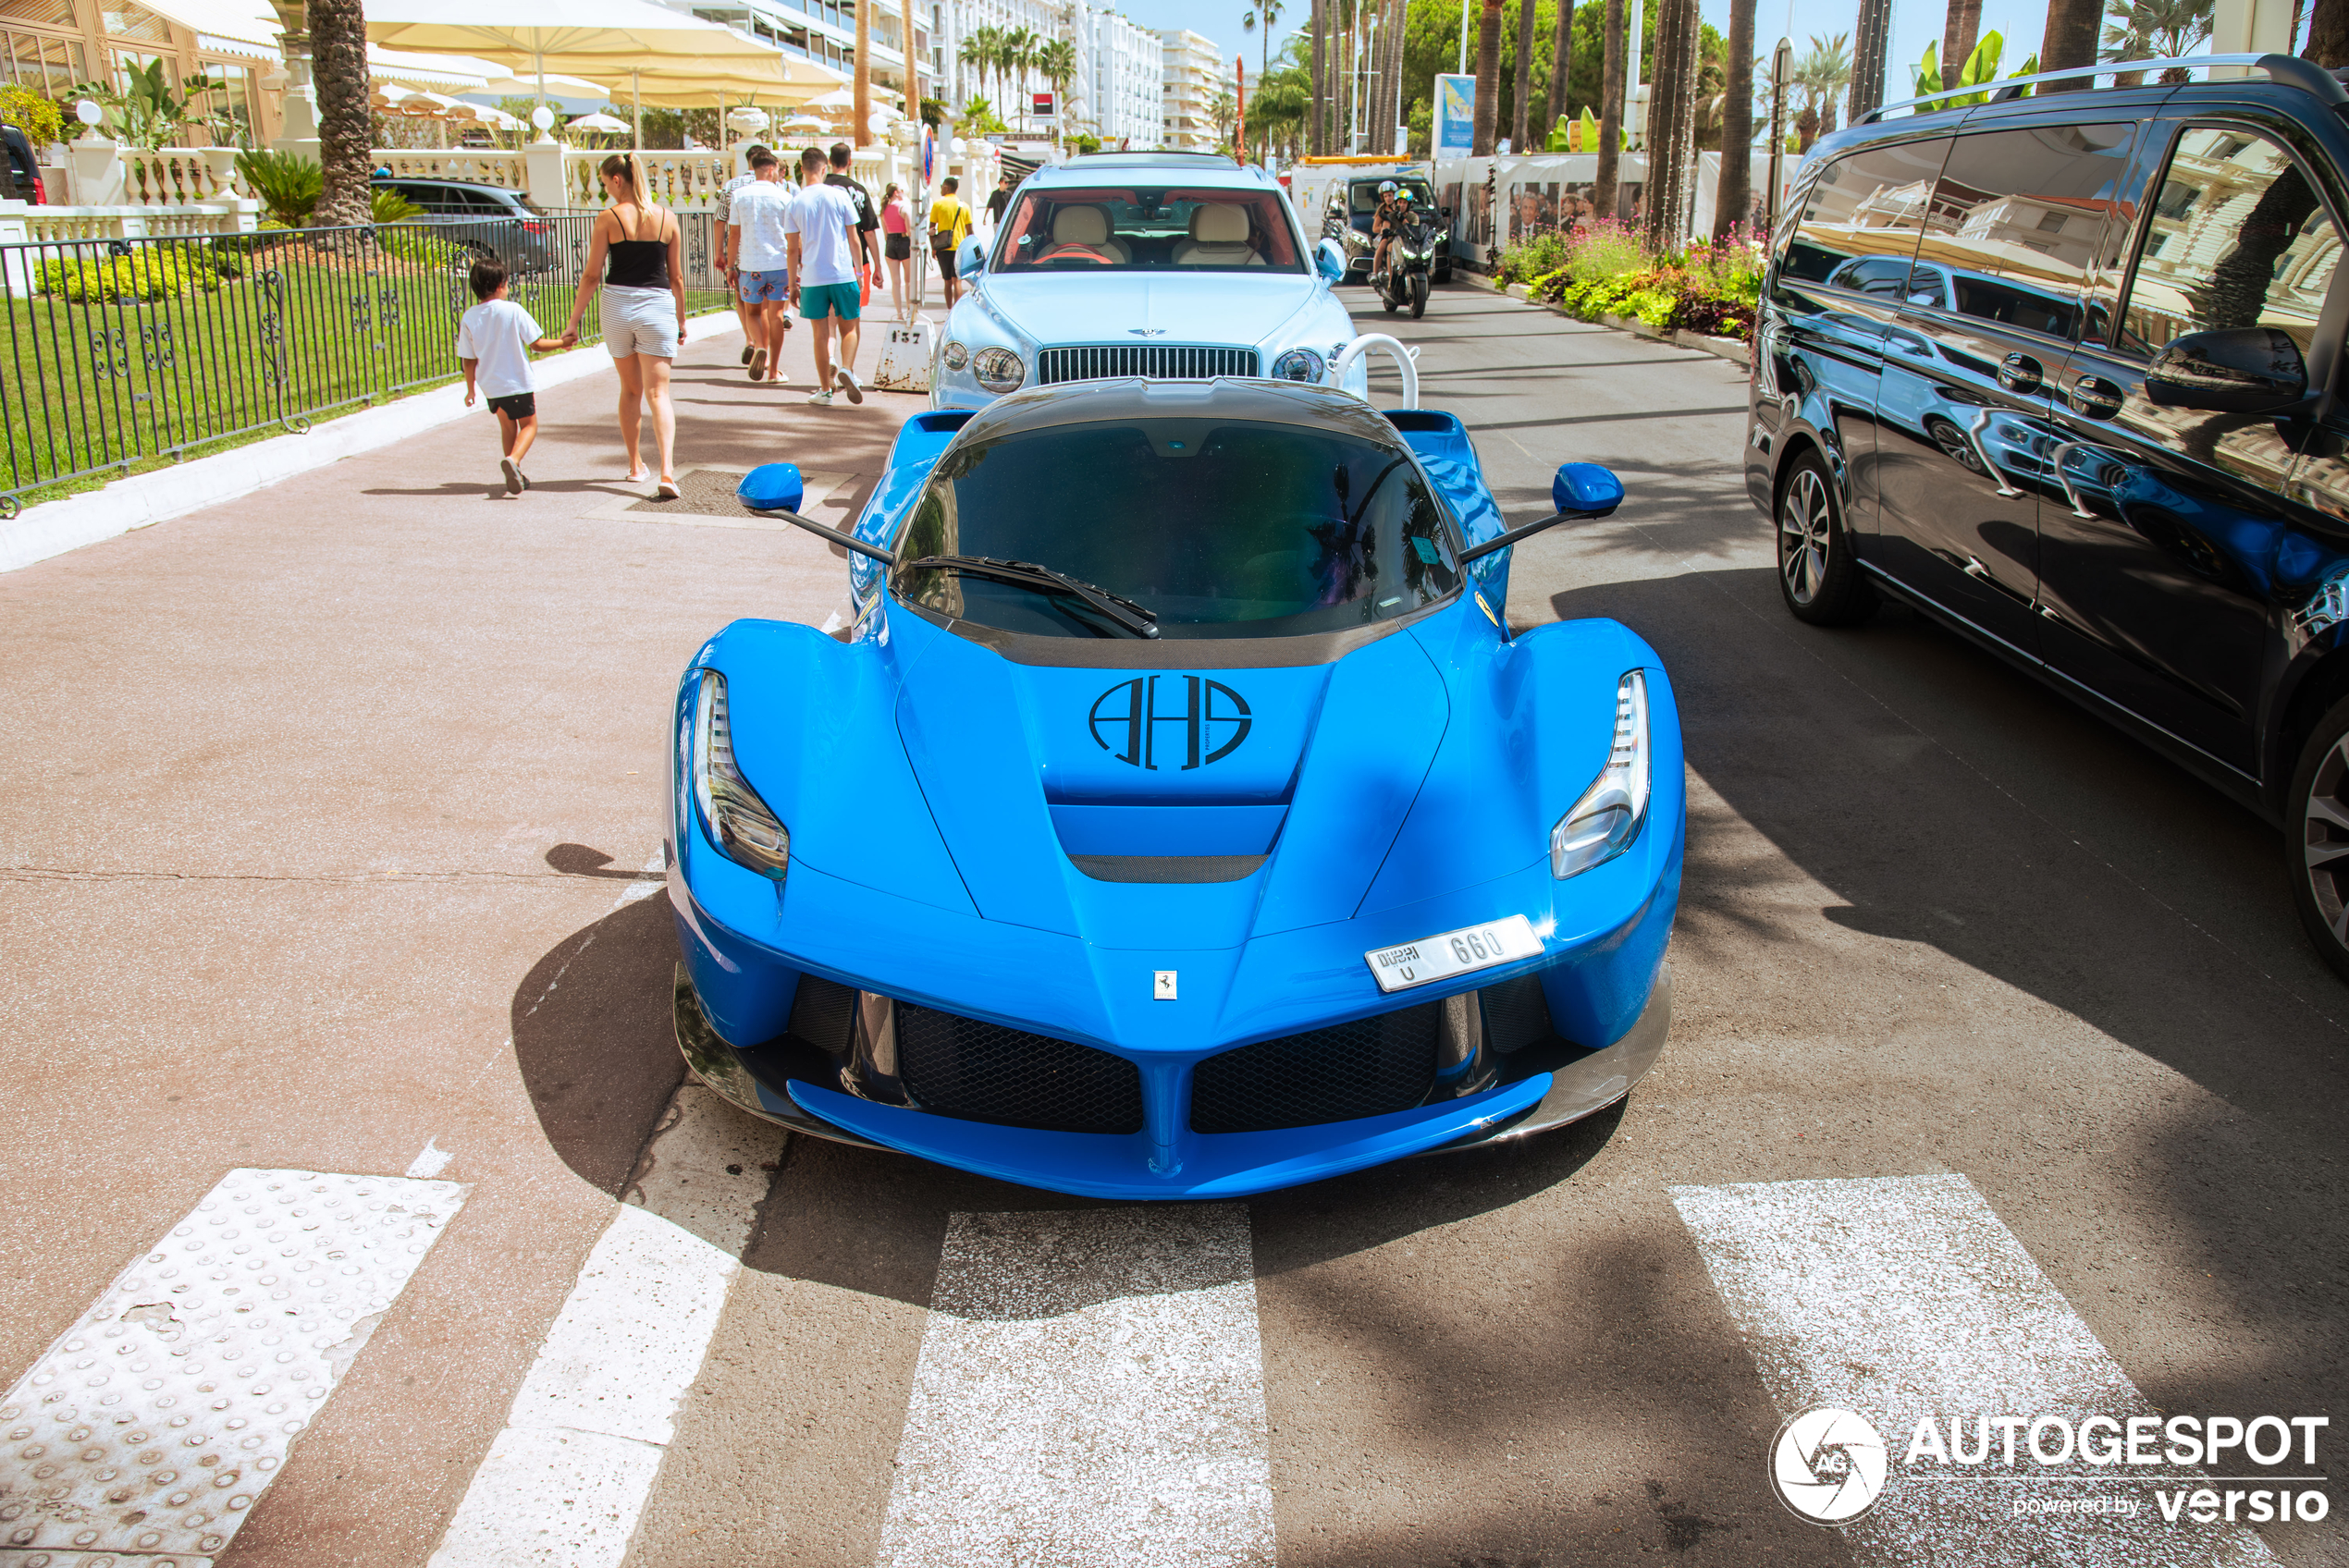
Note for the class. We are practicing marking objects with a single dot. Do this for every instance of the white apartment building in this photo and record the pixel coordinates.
(826, 31)
(1122, 65)
(951, 21)
(1191, 73)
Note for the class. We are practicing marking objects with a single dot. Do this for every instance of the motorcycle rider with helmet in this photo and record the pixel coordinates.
(1393, 207)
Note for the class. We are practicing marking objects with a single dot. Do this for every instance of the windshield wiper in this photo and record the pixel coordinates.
(1117, 608)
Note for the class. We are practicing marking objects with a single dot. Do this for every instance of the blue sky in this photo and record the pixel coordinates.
(1914, 24)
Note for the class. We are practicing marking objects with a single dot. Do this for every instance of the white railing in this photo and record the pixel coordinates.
(475, 165)
(177, 176)
(21, 223)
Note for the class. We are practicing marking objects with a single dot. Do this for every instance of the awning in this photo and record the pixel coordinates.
(460, 73)
(247, 28)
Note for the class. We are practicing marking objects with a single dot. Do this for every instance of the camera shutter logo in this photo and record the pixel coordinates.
(1828, 1465)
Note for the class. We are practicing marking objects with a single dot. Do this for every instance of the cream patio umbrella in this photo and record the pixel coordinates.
(602, 40)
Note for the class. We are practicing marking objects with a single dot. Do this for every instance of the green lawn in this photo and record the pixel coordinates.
(258, 339)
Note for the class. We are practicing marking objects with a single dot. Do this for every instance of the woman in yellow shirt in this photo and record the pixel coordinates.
(950, 225)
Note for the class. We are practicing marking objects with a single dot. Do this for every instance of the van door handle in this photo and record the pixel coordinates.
(2093, 397)
(2021, 374)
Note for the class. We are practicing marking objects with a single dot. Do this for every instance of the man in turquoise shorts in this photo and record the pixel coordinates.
(821, 227)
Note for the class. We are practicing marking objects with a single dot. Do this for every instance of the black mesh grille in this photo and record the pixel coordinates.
(1167, 868)
(1158, 362)
(1516, 1013)
(979, 1071)
(1365, 1068)
(823, 1012)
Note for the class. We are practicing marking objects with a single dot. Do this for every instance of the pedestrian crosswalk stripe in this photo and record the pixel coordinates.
(155, 1421)
(566, 1480)
(1905, 1297)
(1090, 1390)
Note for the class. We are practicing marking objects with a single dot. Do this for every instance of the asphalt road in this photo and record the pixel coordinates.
(1998, 1070)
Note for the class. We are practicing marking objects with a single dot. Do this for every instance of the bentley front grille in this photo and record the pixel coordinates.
(1156, 361)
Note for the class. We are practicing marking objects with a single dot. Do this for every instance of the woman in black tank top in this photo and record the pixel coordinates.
(633, 253)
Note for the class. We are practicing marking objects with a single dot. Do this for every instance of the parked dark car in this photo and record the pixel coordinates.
(2060, 372)
(1346, 219)
(487, 218)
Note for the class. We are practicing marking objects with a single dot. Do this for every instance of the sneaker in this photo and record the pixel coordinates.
(847, 379)
(525, 480)
(822, 399)
(758, 358)
(514, 481)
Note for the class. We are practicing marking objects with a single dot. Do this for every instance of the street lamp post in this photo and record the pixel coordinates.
(1781, 69)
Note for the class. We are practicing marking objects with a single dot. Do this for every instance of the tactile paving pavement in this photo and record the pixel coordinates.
(143, 1435)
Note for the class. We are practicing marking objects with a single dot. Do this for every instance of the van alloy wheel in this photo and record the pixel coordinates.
(1803, 526)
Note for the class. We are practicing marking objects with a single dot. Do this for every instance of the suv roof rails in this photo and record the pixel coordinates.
(2285, 71)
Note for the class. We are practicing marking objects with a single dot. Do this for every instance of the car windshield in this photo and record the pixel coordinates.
(1365, 194)
(1219, 528)
(1131, 229)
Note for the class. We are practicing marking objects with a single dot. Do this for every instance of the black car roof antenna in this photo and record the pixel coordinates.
(2285, 71)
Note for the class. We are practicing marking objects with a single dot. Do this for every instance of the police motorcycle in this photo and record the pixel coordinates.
(1408, 256)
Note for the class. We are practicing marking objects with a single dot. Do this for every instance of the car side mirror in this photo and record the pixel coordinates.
(2234, 370)
(971, 259)
(772, 487)
(1329, 261)
(1445, 211)
(1585, 490)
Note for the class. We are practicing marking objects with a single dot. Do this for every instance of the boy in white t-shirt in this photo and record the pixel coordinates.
(494, 341)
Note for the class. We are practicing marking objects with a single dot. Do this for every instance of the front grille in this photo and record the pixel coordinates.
(1158, 362)
(981, 1071)
(1168, 868)
(1366, 1067)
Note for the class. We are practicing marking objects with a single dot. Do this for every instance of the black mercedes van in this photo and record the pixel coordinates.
(2064, 370)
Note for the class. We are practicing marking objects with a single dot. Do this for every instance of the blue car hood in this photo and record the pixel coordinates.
(1028, 767)
(1060, 307)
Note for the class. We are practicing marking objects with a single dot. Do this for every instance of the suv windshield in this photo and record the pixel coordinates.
(1128, 230)
(1218, 528)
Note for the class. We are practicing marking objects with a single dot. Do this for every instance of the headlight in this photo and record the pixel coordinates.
(999, 369)
(1607, 817)
(957, 355)
(737, 820)
(1297, 365)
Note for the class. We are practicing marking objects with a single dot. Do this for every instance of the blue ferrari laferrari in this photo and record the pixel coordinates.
(1177, 816)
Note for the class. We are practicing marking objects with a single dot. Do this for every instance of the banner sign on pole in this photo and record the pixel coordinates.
(1040, 105)
(1455, 115)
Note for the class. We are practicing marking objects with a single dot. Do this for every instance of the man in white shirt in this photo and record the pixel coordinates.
(758, 217)
(726, 259)
(823, 226)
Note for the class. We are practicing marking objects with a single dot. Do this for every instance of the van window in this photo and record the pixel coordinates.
(2017, 217)
(1870, 202)
(2238, 238)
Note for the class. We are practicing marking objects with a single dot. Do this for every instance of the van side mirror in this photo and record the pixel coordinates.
(1329, 261)
(2233, 370)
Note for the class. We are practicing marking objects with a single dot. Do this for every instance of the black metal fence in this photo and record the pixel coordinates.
(116, 352)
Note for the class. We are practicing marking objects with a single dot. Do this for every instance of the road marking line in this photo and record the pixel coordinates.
(431, 1162)
(1902, 1298)
(1090, 1391)
(567, 1479)
(155, 1421)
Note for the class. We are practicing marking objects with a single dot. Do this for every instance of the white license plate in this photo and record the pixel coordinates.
(1455, 952)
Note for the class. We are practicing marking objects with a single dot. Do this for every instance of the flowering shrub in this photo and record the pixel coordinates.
(149, 272)
(1710, 288)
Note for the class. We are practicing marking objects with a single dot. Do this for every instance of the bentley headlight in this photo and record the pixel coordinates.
(997, 370)
(736, 819)
(1297, 365)
(957, 355)
(1607, 817)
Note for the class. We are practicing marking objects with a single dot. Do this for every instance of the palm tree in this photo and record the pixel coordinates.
(338, 65)
(2329, 35)
(861, 84)
(1520, 128)
(1562, 70)
(2144, 29)
(1734, 196)
(1019, 54)
(981, 48)
(1488, 79)
(1960, 33)
(2070, 41)
(1056, 63)
(1821, 76)
(1224, 109)
(1269, 10)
